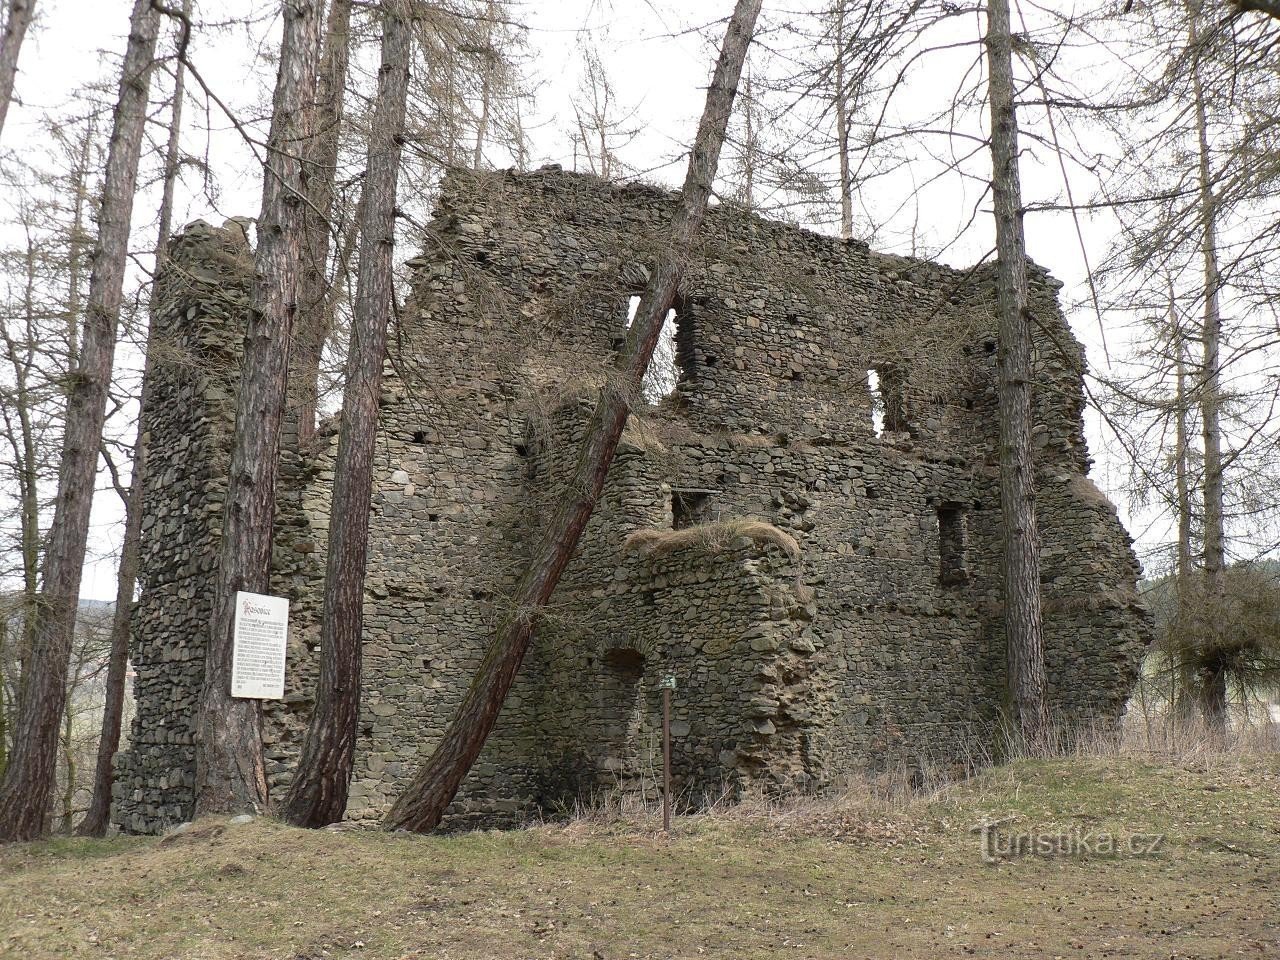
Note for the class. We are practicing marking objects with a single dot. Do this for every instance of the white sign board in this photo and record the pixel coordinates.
(258, 650)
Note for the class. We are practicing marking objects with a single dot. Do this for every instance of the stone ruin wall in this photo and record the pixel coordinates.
(790, 674)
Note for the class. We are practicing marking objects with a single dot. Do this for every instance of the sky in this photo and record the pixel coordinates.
(659, 64)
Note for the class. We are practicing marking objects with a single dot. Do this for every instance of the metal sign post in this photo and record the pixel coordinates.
(668, 684)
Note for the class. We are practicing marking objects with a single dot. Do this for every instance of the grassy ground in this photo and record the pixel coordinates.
(856, 878)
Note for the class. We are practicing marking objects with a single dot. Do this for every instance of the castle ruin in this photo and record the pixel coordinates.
(804, 531)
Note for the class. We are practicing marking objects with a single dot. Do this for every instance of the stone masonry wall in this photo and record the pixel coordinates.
(188, 420)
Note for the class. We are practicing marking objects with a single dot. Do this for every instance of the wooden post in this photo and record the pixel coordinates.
(668, 684)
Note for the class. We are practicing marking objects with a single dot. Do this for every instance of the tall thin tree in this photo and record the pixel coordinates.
(230, 772)
(314, 293)
(24, 794)
(318, 794)
(424, 801)
(1024, 629)
(96, 817)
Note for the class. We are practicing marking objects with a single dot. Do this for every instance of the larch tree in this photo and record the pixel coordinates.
(1213, 680)
(1024, 628)
(315, 293)
(422, 805)
(96, 817)
(41, 301)
(15, 31)
(318, 793)
(28, 777)
(230, 772)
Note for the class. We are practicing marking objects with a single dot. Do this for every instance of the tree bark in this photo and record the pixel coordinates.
(1024, 634)
(1270, 8)
(488, 57)
(422, 805)
(318, 794)
(842, 127)
(98, 816)
(15, 31)
(79, 241)
(230, 774)
(314, 293)
(24, 794)
(1213, 700)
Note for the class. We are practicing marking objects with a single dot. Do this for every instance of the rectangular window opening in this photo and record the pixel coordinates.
(952, 545)
(689, 508)
(877, 403)
(670, 362)
(887, 384)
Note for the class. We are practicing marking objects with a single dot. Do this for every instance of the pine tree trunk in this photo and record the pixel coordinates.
(98, 816)
(24, 795)
(314, 295)
(1023, 625)
(1213, 699)
(842, 127)
(486, 86)
(423, 803)
(15, 31)
(68, 758)
(318, 794)
(230, 773)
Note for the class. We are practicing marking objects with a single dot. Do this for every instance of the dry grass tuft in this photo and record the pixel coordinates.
(710, 538)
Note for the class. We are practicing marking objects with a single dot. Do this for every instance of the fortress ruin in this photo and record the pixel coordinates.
(805, 531)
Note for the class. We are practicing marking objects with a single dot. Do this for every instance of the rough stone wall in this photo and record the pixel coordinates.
(188, 421)
(882, 641)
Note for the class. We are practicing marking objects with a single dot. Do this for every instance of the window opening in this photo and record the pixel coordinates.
(952, 545)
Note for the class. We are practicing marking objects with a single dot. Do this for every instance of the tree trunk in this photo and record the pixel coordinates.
(1024, 634)
(69, 759)
(79, 241)
(230, 774)
(314, 294)
(24, 795)
(488, 57)
(842, 127)
(15, 30)
(97, 817)
(1213, 698)
(424, 801)
(318, 794)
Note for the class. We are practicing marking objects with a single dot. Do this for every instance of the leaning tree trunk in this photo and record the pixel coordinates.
(230, 773)
(96, 818)
(1213, 695)
(314, 294)
(1024, 631)
(423, 803)
(15, 31)
(24, 795)
(318, 794)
